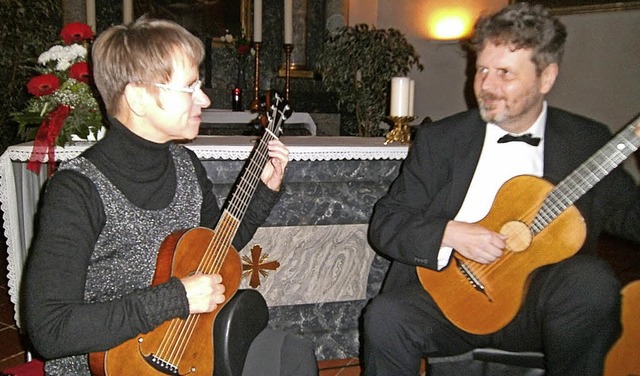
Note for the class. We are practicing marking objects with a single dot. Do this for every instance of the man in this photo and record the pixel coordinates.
(448, 182)
(105, 214)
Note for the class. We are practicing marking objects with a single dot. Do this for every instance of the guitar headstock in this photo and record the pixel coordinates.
(279, 112)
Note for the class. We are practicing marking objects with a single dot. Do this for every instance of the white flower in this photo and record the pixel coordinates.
(63, 65)
(78, 50)
(64, 55)
(228, 38)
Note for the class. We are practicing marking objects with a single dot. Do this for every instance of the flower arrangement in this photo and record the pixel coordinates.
(239, 47)
(63, 102)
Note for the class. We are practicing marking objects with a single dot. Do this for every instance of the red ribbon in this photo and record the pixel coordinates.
(45, 140)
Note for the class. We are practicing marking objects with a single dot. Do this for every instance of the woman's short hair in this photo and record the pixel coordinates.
(144, 51)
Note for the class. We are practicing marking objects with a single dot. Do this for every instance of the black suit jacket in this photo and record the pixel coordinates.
(408, 223)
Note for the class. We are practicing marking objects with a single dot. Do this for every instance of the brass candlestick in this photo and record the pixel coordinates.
(401, 131)
(255, 104)
(287, 67)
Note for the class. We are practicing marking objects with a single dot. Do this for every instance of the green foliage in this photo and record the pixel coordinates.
(27, 27)
(357, 64)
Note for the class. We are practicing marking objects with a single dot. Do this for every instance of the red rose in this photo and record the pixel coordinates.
(76, 32)
(80, 72)
(243, 49)
(43, 84)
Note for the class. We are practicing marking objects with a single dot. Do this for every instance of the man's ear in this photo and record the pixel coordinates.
(548, 77)
(136, 97)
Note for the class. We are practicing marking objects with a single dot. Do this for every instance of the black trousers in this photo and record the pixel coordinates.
(571, 313)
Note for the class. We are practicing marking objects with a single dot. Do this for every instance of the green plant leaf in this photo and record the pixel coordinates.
(357, 64)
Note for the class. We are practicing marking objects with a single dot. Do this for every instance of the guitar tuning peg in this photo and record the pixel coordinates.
(287, 111)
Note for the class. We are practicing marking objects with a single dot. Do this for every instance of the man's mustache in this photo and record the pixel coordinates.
(489, 96)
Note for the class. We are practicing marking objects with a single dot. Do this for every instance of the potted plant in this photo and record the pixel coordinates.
(357, 64)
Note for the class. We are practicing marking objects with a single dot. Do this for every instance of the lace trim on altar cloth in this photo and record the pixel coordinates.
(301, 148)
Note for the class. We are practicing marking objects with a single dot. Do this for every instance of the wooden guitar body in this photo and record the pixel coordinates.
(177, 347)
(482, 299)
(624, 357)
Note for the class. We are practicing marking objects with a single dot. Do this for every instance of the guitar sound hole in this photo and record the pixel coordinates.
(520, 236)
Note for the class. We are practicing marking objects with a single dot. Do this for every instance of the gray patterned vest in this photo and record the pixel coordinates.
(124, 257)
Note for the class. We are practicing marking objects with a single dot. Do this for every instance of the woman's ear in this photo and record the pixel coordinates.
(136, 98)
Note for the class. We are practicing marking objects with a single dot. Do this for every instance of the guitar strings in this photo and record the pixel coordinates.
(588, 174)
(180, 332)
(484, 270)
(174, 344)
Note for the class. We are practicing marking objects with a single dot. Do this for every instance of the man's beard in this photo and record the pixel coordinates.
(486, 110)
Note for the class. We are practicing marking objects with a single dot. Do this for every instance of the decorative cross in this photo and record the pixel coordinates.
(256, 266)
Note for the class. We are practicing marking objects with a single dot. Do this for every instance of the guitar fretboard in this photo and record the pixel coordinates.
(236, 206)
(588, 174)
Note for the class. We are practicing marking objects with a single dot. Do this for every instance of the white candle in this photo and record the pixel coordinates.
(399, 105)
(127, 11)
(257, 20)
(288, 22)
(91, 14)
(412, 92)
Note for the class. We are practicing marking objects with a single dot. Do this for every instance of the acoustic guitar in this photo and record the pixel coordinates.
(623, 359)
(185, 346)
(543, 227)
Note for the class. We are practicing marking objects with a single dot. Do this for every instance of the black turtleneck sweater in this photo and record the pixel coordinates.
(70, 218)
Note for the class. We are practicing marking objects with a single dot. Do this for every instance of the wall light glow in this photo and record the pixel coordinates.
(447, 24)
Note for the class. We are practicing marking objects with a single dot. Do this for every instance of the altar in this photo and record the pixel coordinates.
(310, 260)
(225, 122)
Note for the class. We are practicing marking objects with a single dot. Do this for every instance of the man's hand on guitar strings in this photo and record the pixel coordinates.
(204, 292)
(273, 172)
(474, 241)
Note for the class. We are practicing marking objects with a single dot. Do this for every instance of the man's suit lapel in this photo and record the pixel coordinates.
(466, 160)
(555, 138)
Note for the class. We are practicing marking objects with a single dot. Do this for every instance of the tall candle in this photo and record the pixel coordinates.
(412, 92)
(91, 14)
(399, 105)
(127, 11)
(288, 22)
(257, 20)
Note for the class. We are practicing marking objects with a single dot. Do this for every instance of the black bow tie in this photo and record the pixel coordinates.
(533, 141)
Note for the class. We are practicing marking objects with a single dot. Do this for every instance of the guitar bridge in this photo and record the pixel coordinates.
(473, 280)
(161, 365)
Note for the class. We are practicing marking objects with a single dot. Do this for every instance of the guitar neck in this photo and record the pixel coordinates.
(239, 200)
(236, 205)
(587, 175)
